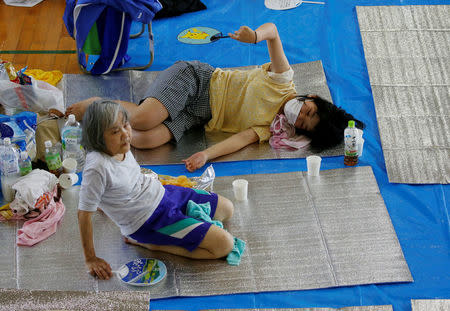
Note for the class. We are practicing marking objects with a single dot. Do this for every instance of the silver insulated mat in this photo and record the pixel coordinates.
(430, 304)
(407, 51)
(309, 78)
(359, 308)
(18, 299)
(301, 233)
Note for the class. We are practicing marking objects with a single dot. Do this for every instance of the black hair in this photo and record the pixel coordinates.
(333, 120)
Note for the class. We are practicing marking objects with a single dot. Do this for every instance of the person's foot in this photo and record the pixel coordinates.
(78, 109)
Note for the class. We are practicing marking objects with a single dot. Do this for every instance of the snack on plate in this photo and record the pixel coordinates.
(181, 181)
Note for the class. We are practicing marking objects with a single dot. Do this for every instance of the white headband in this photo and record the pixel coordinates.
(292, 109)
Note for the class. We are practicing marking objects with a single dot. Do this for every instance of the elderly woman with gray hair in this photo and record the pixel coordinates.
(147, 213)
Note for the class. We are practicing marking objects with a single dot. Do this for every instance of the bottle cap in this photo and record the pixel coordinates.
(7, 141)
(351, 123)
(71, 118)
(48, 144)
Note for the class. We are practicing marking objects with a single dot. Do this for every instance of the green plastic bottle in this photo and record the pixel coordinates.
(351, 147)
(24, 163)
(53, 158)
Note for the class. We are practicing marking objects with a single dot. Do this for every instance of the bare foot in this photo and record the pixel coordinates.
(78, 109)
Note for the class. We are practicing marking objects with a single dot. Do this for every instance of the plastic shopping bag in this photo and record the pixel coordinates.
(38, 97)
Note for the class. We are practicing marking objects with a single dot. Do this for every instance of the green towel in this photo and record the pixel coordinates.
(234, 257)
(201, 212)
(201, 191)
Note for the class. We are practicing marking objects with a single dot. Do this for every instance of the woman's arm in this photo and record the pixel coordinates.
(227, 146)
(269, 33)
(97, 266)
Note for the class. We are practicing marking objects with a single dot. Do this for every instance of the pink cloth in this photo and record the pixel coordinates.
(43, 226)
(283, 135)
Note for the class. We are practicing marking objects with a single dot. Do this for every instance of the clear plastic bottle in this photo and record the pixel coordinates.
(53, 158)
(24, 163)
(10, 169)
(351, 146)
(71, 142)
(31, 143)
(2, 150)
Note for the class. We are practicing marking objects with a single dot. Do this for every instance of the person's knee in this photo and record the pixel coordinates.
(225, 209)
(150, 139)
(139, 121)
(148, 115)
(224, 244)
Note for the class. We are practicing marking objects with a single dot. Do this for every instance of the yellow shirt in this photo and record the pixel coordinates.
(242, 99)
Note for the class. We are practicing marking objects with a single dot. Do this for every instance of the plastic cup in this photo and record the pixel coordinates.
(240, 189)
(360, 146)
(313, 163)
(68, 180)
(69, 165)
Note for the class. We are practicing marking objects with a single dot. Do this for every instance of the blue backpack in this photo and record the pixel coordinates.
(101, 29)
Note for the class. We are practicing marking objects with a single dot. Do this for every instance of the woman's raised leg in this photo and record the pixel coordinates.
(153, 138)
(224, 210)
(148, 115)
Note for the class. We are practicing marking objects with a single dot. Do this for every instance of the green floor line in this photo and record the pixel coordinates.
(39, 52)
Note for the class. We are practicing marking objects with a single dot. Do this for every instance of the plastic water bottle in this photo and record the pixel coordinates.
(71, 142)
(24, 163)
(53, 158)
(351, 144)
(10, 169)
(2, 151)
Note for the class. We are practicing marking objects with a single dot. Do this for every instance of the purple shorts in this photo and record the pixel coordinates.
(169, 225)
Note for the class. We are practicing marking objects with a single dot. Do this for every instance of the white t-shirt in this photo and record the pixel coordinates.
(117, 187)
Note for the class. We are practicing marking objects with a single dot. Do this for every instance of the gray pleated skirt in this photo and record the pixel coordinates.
(183, 89)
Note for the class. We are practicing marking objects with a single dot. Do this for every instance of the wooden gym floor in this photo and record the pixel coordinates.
(37, 37)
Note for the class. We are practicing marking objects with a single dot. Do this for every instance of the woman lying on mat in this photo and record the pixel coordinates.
(242, 102)
(148, 214)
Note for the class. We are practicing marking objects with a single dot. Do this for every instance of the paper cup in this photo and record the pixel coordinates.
(69, 165)
(360, 146)
(68, 180)
(313, 163)
(240, 189)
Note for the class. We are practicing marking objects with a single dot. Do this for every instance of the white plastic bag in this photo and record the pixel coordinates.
(30, 188)
(38, 97)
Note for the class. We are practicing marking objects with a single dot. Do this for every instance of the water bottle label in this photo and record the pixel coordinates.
(10, 167)
(350, 145)
(71, 140)
(70, 136)
(53, 161)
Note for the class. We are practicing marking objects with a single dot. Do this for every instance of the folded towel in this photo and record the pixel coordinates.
(284, 136)
(234, 257)
(201, 212)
